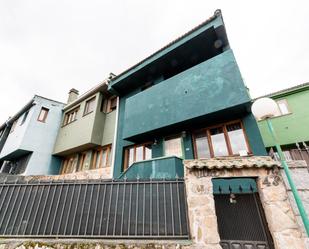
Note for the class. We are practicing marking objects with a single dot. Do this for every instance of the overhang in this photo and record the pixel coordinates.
(199, 42)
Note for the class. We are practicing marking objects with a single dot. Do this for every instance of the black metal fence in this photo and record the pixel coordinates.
(94, 209)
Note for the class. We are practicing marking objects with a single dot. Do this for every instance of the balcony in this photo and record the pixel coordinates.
(209, 87)
(157, 168)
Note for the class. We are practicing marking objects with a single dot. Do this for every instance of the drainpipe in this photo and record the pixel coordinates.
(115, 138)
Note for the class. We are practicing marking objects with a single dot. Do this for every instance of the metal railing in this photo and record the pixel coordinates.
(293, 155)
(94, 209)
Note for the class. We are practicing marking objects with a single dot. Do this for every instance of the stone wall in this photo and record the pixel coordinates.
(300, 175)
(102, 173)
(94, 244)
(280, 216)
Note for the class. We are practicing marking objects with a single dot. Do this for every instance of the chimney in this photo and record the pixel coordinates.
(73, 95)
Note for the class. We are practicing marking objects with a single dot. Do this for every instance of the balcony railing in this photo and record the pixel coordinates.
(157, 168)
(292, 155)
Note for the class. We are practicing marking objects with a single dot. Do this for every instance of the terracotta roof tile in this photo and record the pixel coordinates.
(232, 162)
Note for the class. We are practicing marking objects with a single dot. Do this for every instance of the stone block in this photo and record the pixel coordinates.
(300, 177)
(288, 242)
(304, 196)
(279, 218)
(274, 193)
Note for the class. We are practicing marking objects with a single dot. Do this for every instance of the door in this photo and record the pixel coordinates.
(241, 219)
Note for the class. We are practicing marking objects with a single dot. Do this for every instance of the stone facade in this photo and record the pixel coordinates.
(280, 216)
(300, 174)
(104, 173)
(95, 244)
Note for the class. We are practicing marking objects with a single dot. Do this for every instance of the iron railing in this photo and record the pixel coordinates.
(292, 155)
(94, 209)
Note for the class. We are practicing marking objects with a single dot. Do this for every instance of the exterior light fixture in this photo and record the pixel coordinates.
(183, 134)
(264, 109)
(155, 142)
(233, 199)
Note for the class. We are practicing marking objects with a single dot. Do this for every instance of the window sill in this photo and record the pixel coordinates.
(283, 115)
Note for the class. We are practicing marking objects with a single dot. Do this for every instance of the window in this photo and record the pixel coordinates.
(24, 117)
(237, 138)
(101, 157)
(69, 164)
(89, 107)
(224, 140)
(82, 162)
(283, 107)
(43, 114)
(109, 105)
(86, 160)
(13, 126)
(202, 145)
(219, 144)
(137, 153)
(70, 116)
(173, 147)
(112, 104)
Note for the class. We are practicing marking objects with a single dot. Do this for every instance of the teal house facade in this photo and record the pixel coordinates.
(186, 101)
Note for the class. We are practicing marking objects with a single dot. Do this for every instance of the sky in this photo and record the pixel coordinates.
(48, 47)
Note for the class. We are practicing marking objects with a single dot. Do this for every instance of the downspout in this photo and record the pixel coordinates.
(115, 138)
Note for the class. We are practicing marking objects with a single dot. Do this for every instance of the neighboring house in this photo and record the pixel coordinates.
(85, 139)
(27, 139)
(185, 101)
(291, 123)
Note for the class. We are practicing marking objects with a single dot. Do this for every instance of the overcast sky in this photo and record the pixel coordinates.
(48, 46)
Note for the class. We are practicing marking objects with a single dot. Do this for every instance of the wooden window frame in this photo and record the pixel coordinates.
(99, 151)
(67, 115)
(65, 164)
(81, 160)
(127, 153)
(86, 109)
(109, 107)
(179, 135)
(226, 137)
(45, 115)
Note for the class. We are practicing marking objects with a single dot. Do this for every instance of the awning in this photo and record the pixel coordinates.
(234, 185)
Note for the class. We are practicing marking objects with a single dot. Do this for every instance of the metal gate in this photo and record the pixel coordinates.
(241, 220)
(94, 209)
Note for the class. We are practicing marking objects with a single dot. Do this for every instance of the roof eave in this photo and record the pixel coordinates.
(215, 21)
(100, 87)
(17, 115)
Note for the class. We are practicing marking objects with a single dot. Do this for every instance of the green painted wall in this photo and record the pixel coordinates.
(195, 92)
(293, 127)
